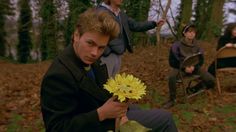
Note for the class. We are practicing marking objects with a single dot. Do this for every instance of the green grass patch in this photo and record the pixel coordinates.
(199, 103)
(230, 121)
(183, 107)
(176, 120)
(40, 125)
(215, 129)
(188, 116)
(14, 125)
(226, 109)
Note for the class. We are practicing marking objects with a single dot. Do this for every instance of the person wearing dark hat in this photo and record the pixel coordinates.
(181, 49)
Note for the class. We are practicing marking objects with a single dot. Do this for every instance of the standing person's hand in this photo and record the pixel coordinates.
(112, 109)
(160, 22)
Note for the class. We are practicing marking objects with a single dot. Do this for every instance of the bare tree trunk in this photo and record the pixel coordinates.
(216, 20)
(169, 25)
(158, 29)
(185, 15)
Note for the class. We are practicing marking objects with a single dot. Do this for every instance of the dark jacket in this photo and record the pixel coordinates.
(180, 50)
(223, 62)
(224, 40)
(127, 24)
(69, 98)
(226, 62)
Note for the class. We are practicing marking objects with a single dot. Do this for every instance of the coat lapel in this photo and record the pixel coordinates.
(92, 88)
(101, 74)
(85, 83)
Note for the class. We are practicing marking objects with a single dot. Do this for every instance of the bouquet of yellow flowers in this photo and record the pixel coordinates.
(125, 87)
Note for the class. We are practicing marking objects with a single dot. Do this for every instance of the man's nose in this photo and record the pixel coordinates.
(94, 51)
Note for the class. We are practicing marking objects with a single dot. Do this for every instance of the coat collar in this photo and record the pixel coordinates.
(184, 42)
(116, 13)
(76, 67)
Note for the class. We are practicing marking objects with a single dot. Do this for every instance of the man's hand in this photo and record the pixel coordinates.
(189, 69)
(160, 22)
(123, 120)
(112, 109)
(229, 45)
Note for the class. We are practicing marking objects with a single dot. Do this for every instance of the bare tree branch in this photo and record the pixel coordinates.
(167, 21)
(158, 29)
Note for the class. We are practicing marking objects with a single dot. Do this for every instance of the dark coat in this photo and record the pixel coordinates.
(223, 62)
(226, 62)
(69, 99)
(180, 50)
(224, 40)
(127, 24)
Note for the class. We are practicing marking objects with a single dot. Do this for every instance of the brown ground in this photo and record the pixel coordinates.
(20, 84)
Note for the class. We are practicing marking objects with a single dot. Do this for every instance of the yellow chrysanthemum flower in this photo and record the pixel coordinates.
(125, 87)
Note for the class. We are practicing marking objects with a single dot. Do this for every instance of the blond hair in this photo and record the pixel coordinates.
(98, 21)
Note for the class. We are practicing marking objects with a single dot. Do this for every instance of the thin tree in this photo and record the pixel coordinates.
(185, 13)
(75, 8)
(5, 9)
(215, 22)
(48, 30)
(158, 35)
(168, 22)
(24, 27)
(202, 17)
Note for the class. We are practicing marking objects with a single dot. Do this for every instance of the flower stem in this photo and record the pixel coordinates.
(117, 124)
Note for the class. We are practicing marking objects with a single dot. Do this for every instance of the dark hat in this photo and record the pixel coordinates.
(186, 27)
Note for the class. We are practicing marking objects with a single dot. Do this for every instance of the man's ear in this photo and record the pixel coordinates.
(76, 36)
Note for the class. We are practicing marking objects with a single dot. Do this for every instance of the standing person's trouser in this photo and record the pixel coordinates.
(207, 79)
(157, 119)
(113, 63)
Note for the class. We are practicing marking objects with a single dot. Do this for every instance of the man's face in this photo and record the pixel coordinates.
(234, 32)
(90, 46)
(190, 34)
(116, 2)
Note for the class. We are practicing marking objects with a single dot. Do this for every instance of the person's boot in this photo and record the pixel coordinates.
(170, 103)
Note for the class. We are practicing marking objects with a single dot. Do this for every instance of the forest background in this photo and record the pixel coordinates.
(36, 30)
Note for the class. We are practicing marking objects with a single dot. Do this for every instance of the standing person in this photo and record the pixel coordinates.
(228, 40)
(112, 54)
(72, 95)
(187, 46)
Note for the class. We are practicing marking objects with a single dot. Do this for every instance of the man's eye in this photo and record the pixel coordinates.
(90, 42)
(101, 48)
